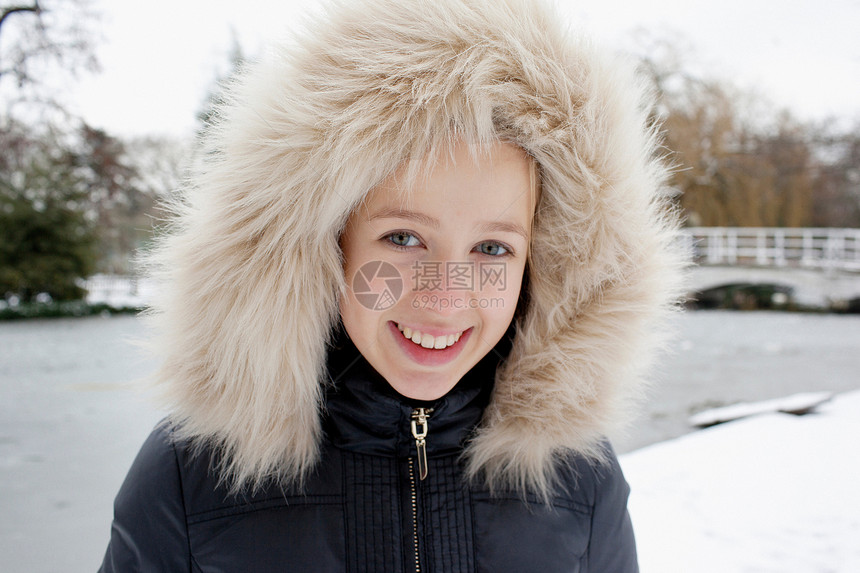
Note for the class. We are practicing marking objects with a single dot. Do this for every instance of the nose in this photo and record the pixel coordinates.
(444, 286)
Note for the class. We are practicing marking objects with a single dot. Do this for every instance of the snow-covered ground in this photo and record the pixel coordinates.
(771, 493)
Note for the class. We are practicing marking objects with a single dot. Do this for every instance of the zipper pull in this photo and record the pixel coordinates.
(419, 432)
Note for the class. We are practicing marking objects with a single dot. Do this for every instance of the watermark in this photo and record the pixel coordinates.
(378, 285)
(466, 275)
(441, 302)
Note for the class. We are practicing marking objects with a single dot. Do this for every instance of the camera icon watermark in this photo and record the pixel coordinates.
(377, 285)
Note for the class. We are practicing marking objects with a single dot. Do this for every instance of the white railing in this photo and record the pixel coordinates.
(118, 290)
(817, 248)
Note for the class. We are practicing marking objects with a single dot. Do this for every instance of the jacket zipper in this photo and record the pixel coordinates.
(419, 432)
(414, 500)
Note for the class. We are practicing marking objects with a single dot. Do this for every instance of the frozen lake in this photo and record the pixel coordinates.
(70, 423)
(723, 357)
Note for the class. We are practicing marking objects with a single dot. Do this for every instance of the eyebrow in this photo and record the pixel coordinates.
(395, 213)
(504, 227)
(486, 227)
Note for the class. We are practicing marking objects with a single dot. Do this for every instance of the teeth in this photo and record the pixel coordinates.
(428, 340)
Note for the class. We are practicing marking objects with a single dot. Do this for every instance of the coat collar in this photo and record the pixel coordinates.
(364, 414)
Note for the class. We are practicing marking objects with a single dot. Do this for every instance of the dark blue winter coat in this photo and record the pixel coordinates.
(366, 507)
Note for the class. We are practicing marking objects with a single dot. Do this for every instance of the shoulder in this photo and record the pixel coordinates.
(582, 526)
(153, 485)
(602, 486)
(593, 480)
(176, 476)
(149, 527)
(194, 478)
(155, 469)
(172, 478)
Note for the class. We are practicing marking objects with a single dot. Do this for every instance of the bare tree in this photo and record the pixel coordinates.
(837, 178)
(737, 162)
(42, 38)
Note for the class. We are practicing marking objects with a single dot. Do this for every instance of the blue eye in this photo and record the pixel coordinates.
(493, 249)
(401, 239)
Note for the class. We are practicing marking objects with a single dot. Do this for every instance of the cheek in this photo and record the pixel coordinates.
(350, 309)
(502, 283)
(358, 322)
(347, 311)
(502, 295)
(511, 299)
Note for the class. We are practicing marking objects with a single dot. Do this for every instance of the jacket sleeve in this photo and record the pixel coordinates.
(149, 531)
(612, 546)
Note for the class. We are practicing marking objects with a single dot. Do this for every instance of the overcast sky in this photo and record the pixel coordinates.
(160, 57)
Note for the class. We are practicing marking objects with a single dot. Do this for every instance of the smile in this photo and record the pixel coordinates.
(428, 340)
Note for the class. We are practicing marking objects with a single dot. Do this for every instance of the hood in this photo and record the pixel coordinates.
(250, 268)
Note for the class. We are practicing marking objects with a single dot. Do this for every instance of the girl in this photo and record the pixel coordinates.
(411, 289)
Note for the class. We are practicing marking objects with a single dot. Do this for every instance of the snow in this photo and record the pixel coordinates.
(769, 493)
(801, 403)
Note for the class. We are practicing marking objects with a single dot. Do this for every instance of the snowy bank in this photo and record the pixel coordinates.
(769, 493)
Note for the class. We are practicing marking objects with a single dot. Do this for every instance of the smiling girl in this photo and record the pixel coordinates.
(412, 289)
(473, 207)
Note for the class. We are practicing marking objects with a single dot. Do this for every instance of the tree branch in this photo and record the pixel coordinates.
(34, 8)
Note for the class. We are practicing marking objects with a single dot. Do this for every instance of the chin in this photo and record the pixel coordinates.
(421, 386)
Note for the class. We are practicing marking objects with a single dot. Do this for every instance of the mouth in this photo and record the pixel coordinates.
(426, 340)
(427, 349)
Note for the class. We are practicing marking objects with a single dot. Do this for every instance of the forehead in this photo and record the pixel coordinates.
(497, 181)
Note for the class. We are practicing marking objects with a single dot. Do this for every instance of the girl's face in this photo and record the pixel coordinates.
(434, 269)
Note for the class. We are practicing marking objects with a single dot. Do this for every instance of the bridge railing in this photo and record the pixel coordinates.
(817, 248)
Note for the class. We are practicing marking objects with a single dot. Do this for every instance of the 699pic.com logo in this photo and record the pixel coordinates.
(377, 285)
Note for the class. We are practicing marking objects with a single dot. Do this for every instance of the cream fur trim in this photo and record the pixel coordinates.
(252, 270)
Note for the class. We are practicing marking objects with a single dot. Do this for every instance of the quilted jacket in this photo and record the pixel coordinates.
(366, 506)
(271, 456)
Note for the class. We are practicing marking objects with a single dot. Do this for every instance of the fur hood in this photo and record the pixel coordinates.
(251, 270)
